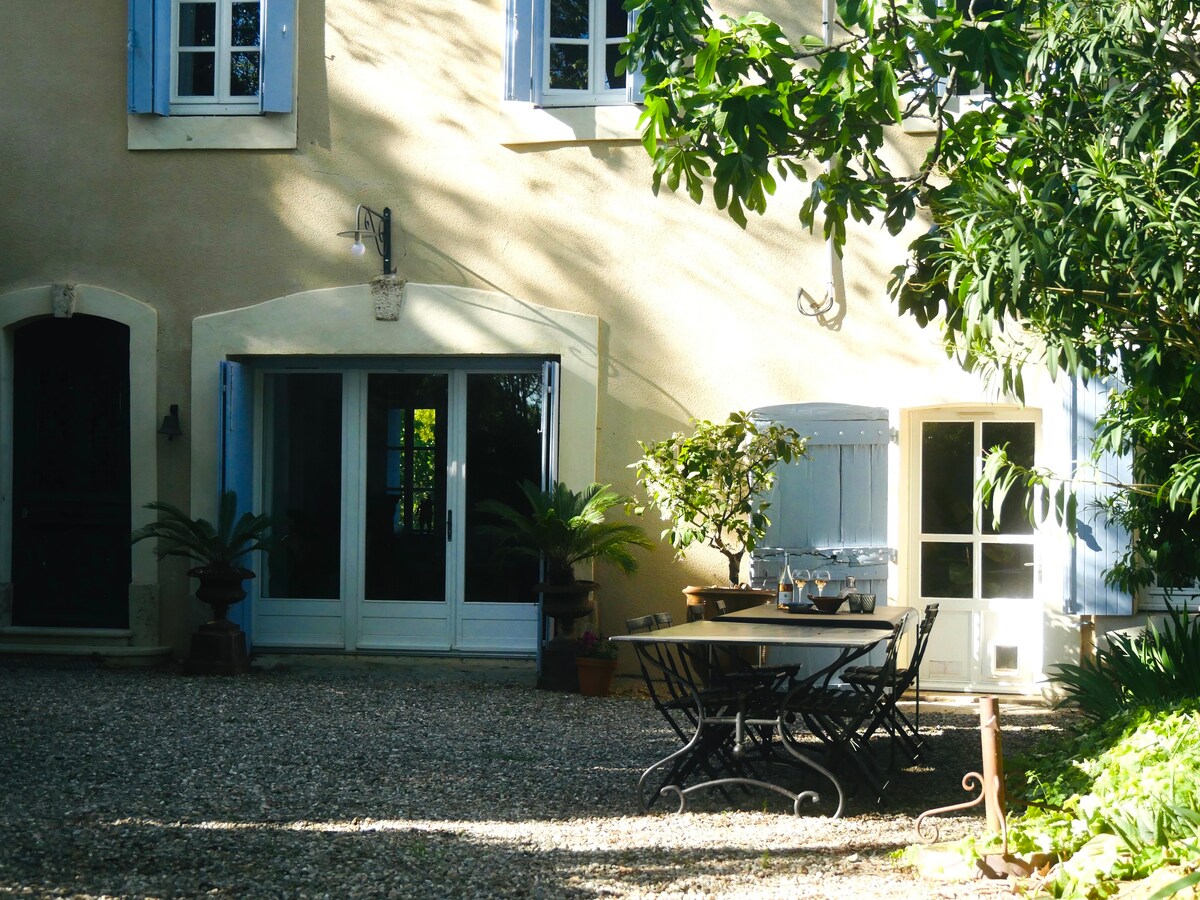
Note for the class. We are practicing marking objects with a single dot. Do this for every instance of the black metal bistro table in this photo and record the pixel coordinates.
(733, 707)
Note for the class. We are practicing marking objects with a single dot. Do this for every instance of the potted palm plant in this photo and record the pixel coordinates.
(711, 486)
(219, 646)
(565, 529)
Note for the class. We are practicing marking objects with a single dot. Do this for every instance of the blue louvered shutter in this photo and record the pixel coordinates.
(1098, 543)
(635, 80)
(149, 71)
(836, 500)
(279, 55)
(519, 16)
(236, 466)
(832, 504)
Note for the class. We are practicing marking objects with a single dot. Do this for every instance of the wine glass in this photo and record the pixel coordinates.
(820, 579)
(802, 577)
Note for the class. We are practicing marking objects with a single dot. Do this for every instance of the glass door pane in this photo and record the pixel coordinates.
(304, 484)
(406, 487)
(504, 448)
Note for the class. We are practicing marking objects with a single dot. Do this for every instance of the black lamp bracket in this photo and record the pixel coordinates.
(378, 225)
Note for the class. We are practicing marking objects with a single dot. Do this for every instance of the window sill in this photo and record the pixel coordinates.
(524, 123)
(1156, 600)
(265, 132)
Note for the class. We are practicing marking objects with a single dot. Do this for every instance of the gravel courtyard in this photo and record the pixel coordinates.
(410, 780)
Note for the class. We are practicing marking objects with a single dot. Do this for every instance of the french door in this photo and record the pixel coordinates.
(984, 576)
(375, 473)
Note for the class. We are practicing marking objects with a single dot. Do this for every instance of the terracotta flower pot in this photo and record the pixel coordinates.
(705, 602)
(595, 675)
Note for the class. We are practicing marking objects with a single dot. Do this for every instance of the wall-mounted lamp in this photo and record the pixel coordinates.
(369, 223)
(170, 424)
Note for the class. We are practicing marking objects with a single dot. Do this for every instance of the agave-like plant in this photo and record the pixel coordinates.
(211, 547)
(1139, 669)
(565, 527)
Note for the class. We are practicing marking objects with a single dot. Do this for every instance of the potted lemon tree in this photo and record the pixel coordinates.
(710, 487)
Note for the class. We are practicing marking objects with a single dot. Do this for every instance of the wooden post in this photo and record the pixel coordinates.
(1087, 639)
(995, 801)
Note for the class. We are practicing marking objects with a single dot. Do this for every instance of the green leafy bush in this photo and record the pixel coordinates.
(1150, 668)
(1136, 777)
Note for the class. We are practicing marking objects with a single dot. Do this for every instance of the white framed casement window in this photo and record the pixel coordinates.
(216, 57)
(562, 53)
(212, 74)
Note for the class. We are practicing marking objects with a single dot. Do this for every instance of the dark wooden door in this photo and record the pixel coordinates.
(71, 516)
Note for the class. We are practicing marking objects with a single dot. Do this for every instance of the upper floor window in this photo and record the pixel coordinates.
(216, 55)
(565, 53)
(211, 57)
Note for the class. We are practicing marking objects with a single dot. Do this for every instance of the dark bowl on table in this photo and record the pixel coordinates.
(827, 604)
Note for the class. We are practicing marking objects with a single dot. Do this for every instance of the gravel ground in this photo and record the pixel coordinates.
(418, 781)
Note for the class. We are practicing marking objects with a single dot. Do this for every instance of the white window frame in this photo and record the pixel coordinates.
(222, 103)
(597, 41)
(154, 123)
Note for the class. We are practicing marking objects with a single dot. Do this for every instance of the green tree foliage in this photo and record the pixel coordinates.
(711, 485)
(563, 528)
(1064, 214)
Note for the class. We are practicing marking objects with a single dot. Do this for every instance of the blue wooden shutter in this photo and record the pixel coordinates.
(550, 377)
(236, 465)
(1098, 543)
(279, 55)
(634, 80)
(519, 18)
(149, 72)
(836, 500)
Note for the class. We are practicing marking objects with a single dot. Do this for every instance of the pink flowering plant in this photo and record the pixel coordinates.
(595, 646)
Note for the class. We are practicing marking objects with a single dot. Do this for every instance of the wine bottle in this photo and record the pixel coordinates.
(787, 587)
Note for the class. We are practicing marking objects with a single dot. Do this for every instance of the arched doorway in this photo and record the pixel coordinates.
(71, 473)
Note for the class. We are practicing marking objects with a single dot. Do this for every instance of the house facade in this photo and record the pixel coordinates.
(184, 183)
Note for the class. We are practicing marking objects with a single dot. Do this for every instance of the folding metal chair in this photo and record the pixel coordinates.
(675, 679)
(844, 718)
(905, 731)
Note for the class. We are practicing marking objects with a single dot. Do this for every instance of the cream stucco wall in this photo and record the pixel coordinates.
(399, 105)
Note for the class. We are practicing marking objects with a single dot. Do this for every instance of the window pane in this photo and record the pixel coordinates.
(406, 487)
(197, 25)
(612, 81)
(197, 76)
(504, 448)
(304, 477)
(1007, 570)
(616, 20)
(1019, 438)
(569, 67)
(945, 570)
(244, 25)
(243, 73)
(947, 477)
(569, 18)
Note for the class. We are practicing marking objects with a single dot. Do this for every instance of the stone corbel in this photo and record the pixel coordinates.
(387, 292)
(63, 297)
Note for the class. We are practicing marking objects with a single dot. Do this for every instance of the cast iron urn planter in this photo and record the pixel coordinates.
(219, 646)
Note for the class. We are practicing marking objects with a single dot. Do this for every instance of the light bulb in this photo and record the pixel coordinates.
(358, 248)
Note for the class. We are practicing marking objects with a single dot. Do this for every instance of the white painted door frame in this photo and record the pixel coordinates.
(974, 638)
